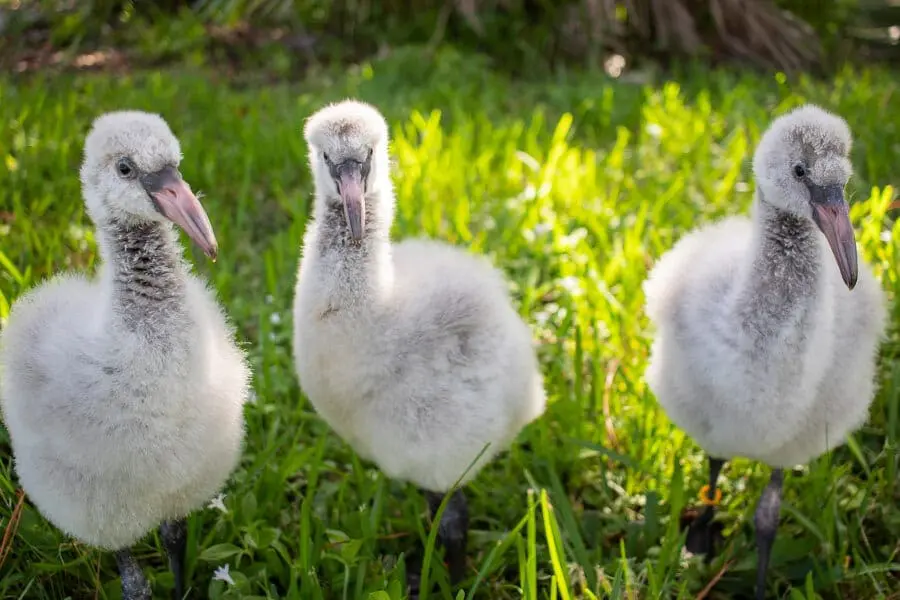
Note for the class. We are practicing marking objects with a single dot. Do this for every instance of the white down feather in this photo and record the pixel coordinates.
(117, 425)
(736, 365)
(412, 352)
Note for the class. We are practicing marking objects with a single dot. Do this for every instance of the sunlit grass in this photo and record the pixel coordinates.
(573, 187)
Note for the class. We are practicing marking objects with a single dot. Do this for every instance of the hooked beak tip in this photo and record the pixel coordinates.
(356, 234)
(353, 198)
(834, 221)
(174, 199)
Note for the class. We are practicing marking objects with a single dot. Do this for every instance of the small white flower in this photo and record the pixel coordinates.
(218, 502)
(275, 318)
(614, 65)
(742, 186)
(886, 235)
(539, 230)
(653, 130)
(571, 284)
(222, 574)
(571, 241)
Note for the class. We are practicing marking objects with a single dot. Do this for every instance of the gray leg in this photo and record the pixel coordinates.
(174, 536)
(766, 521)
(453, 531)
(701, 534)
(134, 585)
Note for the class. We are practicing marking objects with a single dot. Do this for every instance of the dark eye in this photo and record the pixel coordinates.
(125, 168)
(799, 171)
(325, 156)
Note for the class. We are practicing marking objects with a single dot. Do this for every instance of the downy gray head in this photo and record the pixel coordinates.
(130, 175)
(801, 166)
(348, 158)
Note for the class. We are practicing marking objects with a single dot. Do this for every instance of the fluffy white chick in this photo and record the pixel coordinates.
(767, 328)
(412, 352)
(123, 394)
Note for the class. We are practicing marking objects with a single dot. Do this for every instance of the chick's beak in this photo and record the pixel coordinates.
(174, 199)
(831, 214)
(350, 186)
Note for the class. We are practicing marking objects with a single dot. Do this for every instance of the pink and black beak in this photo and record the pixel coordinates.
(350, 178)
(832, 214)
(173, 198)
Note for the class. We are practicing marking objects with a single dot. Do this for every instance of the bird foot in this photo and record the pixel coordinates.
(452, 535)
(413, 575)
(453, 532)
(704, 535)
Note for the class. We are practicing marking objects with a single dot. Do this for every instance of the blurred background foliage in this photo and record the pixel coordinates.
(287, 37)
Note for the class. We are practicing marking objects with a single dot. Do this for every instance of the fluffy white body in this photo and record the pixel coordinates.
(123, 395)
(412, 352)
(783, 401)
(427, 374)
(761, 350)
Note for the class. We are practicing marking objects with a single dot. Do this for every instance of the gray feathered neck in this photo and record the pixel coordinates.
(334, 233)
(352, 267)
(782, 282)
(148, 273)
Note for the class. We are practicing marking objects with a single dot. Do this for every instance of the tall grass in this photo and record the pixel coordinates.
(573, 187)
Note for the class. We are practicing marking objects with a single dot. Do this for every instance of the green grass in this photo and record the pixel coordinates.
(573, 186)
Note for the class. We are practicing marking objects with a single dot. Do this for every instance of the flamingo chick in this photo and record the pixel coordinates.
(767, 328)
(412, 352)
(123, 395)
